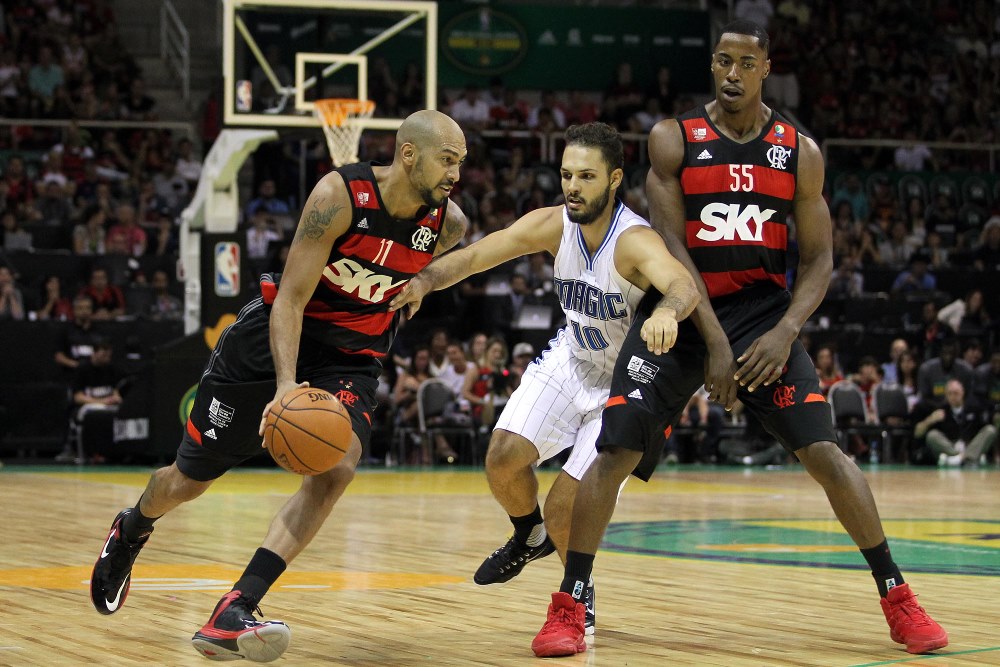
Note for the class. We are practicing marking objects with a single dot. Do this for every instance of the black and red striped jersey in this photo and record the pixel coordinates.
(368, 266)
(737, 199)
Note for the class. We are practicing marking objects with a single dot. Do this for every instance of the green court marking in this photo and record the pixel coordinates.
(957, 546)
(934, 656)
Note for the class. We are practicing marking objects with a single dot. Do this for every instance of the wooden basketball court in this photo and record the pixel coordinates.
(700, 567)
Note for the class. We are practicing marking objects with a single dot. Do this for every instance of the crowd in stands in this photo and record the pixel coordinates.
(914, 231)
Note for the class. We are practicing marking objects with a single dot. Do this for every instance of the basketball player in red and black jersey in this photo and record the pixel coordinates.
(365, 231)
(723, 180)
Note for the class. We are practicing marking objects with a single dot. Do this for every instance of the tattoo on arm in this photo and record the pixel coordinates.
(317, 221)
(673, 302)
(452, 231)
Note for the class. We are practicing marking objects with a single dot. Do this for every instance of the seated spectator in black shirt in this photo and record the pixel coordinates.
(934, 374)
(77, 340)
(95, 399)
(987, 255)
(958, 433)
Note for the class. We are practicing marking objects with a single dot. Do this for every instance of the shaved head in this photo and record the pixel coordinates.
(427, 128)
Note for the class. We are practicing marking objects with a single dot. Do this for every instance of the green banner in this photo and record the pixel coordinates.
(571, 48)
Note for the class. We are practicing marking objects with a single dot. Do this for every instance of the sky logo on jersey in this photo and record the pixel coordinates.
(580, 297)
(352, 278)
(227, 268)
(726, 222)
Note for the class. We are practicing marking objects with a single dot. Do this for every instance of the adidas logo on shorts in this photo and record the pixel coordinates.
(211, 434)
(636, 394)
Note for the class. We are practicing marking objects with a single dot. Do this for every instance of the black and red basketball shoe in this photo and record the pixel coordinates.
(233, 633)
(112, 574)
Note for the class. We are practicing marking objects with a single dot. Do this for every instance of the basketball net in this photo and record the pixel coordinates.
(339, 118)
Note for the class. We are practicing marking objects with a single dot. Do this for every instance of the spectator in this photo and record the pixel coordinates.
(11, 84)
(74, 152)
(453, 374)
(521, 356)
(537, 271)
(20, 189)
(935, 373)
(914, 155)
(439, 361)
(54, 305)
(511, 113)
(850, 190)
(896, 250)
(846, 281)
(126, 237)
(897, 348)
(958, 432)
(263, 230)
(89, 234)
(171, 187)
(917, 278)
(164, 240)
(987, 254)
(188, 166)
(868, 375)
(487, 383)
(77, 339)
(622, 98)
(267, 201)
(11, 299)
(136, 104)
(44, 78)
(827, 369)
(107, 299)
(551, 103)
(986, 389)
(165, 306)
(933, 332)
(906, 378)
(782, 84)
(96, 399)
(663, 90)
(972, 355)
(647, 117)
(966, 316)
(14, 235)
(469, 111)
(53, 208)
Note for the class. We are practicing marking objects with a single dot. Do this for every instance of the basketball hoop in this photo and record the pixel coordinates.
(340, 119)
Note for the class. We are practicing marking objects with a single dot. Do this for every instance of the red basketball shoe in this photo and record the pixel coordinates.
(909, 624)
(233, 633)
(563, 631)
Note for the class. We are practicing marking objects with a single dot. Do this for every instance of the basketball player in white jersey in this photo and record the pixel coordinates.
(606, 259)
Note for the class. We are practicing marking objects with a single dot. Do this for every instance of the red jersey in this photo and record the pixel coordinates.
(368, 265)
(737, 198)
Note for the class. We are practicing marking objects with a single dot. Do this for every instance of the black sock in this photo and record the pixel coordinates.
(523, 525)
(577, 574)
(136, 524)
(264, 569)
(883, 568)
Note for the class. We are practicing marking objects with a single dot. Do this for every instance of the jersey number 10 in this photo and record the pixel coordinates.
(589, 337)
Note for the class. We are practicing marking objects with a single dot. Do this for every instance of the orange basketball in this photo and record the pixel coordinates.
(308, 431)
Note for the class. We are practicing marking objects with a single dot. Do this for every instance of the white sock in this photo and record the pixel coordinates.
(537, 536)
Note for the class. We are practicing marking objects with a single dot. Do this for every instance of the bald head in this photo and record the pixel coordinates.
(427, 129)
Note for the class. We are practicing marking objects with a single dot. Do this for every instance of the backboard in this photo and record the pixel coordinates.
(279, 56)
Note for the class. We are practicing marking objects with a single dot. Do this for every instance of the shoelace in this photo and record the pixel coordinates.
(563, 616)
(914, 612)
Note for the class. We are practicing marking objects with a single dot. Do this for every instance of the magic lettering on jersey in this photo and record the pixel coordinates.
(581, 297)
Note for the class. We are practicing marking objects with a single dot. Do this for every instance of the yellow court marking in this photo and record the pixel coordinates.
(780, 548)
(947, 532)
(404, 482)
(196, 576)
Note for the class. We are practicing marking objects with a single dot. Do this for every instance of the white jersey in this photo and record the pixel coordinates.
(598, 302)
(562, 394)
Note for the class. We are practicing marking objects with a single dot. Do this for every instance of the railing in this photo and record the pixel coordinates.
(989, 149)
(175, 46)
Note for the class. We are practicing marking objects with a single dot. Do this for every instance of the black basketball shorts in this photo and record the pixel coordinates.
(238, 382)
(649, 391)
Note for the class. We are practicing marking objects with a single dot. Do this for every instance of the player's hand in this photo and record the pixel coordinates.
(719, 371)
(283, 389)
(411, 295)
(660, 331)
(764, 361)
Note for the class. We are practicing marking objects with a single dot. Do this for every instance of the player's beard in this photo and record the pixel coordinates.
(431, 195)
(591, 212)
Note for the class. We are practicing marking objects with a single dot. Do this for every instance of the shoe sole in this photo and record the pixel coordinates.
(927, 645)
(260, 645)
(559, 649)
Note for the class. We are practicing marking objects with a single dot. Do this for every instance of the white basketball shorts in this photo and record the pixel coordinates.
(558, 405)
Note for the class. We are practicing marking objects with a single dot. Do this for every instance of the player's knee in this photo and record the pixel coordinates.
(509, 452)
(616, 462)
(328, 486)
(826, 463)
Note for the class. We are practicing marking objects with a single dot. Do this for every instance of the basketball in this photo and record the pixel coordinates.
(308, 431)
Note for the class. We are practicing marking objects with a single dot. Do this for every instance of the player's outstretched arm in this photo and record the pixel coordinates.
(642, 257)
(764, 360)
(325, 217)
(666, 213)
(538, 230)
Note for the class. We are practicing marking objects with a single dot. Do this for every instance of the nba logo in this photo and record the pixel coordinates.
(227, 269)
(244, 95)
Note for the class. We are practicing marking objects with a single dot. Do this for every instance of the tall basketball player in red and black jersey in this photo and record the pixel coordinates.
(365, 231)
(724, 180)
